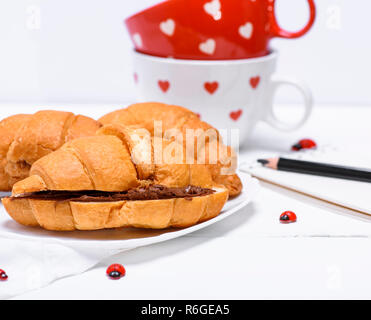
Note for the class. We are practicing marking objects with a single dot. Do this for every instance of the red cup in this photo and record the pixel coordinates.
(209, 29)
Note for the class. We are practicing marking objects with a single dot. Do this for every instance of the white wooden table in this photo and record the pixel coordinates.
(326, 254)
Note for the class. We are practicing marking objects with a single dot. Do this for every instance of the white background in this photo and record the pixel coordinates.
(78, 52)
(54, 51)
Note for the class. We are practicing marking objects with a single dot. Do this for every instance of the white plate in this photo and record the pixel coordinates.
(123, 238)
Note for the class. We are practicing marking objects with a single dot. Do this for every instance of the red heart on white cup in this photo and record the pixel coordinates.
(211, 87)
(235, 115)
(254, 82)
(164, 85)
(228, 94)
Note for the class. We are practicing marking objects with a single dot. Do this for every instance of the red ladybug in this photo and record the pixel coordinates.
(3, 275)
(116, 271)
(288, 217)
(304, 144)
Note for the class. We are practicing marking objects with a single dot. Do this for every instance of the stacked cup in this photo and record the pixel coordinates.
(213, 57)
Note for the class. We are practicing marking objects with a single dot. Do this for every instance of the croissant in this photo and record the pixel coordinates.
(111, 180)
(144, 115)
(25, 138)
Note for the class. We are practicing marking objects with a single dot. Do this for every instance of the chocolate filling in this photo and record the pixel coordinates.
(154, 192)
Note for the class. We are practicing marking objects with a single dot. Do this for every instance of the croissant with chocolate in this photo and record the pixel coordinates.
(25, 138)
(145, 115)
(111, 180)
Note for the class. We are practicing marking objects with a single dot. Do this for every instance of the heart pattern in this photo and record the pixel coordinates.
(135, 75)
(213, 9)
(246, 30)
(211, 87)
(168, 27)
(235, 115)
(164, 85)
(208, 47)
(254, 82)
(138, 40)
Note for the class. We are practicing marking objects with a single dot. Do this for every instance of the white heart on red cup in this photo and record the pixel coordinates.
(213, 9)
(208, 47)
(241, 28)
(138, 40)
(168, 27)
(246, 30)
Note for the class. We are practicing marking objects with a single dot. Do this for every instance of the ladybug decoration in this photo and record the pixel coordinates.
(3, 275)
(116, 271)
(304, 144)
(288, 217)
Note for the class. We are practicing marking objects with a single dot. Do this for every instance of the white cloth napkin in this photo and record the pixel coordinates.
(34, 264)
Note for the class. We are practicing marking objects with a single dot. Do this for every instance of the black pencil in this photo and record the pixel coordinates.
(318, 169)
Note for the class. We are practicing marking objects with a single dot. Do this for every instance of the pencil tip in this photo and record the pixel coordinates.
(263, 161)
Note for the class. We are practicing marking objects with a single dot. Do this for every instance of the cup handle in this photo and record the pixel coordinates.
(271, 118)
(277, 31)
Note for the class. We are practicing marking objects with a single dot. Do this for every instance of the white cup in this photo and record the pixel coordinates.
(227, 94)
